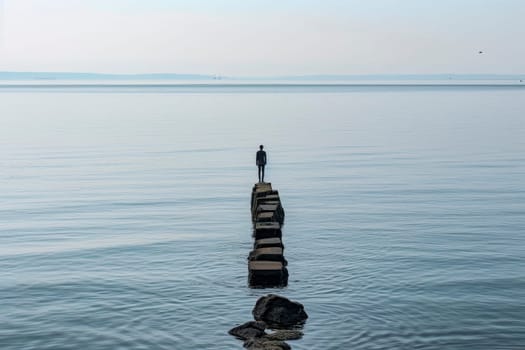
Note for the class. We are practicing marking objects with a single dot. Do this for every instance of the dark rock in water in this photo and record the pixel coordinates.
(279, 311)
(265, 344)
(252, 329)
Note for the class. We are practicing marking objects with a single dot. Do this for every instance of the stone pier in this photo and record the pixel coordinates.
(267, 265)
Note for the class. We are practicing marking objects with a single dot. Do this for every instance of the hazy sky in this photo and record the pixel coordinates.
(263, 37)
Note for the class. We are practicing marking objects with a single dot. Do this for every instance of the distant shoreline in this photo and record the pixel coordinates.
(171, 77)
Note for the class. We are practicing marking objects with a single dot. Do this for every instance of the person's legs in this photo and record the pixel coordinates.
(262, 173)
(259, 173)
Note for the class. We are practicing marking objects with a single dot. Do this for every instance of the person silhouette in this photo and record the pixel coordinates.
(260, 161)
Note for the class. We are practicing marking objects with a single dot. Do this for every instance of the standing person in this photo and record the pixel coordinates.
(260, 160)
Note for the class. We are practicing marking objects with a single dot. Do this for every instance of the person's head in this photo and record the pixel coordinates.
(261, 147)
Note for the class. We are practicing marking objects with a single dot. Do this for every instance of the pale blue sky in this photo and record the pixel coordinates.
(263, 37)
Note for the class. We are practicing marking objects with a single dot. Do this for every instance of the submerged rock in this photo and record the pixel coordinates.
(265, 344)
(279, 311)
(252, 329)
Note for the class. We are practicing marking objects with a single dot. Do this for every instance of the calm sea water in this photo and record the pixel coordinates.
(125, 223)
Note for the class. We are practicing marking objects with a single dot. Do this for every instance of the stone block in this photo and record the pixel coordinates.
(262, 186)
(268, 242)
(270, 206)
(267, 274)
(267, 216)
(268, 254)
(267, 195)
(267, 230)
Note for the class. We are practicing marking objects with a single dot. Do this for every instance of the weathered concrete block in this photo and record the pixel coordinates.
(273, 195)
(261, 192)
(263, 200)
(261, 184)
(268, 254)
(270, 206)
(264, 203)
(268, 242)
(267, 274)
(261, 187)
(267, 216)
(266, 196)
(267, 230)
